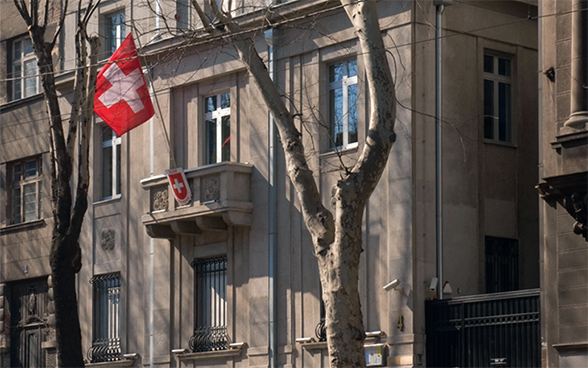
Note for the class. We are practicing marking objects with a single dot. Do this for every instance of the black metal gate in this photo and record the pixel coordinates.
(500, 329)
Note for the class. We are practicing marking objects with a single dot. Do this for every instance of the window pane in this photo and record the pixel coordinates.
(17, 51)
(226, 138)
(30, 82)
(488, 109)
(115, 32)
(336, 72)
(30, 202)
(30, 169)
(352, 68)
(107, 135)
(182, 14)
(504, 67)
(211, 141)
(488, 64)
(106, 345)
(225, 100)
(106, 172)
(16, 206)
(17, 172)
(352, 113)
(17, 81)
(210, 104)
(504, 113)
(28, 47)
(336, 114)
(118, 165)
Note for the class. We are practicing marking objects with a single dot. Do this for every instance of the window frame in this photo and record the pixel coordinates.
(217, 116)
(18, 70)
(497, 80)
(106, 318)
(20, 184)
(344, 84)
(114, 145)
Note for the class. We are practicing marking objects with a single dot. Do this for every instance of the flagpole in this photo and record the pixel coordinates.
(150, 81)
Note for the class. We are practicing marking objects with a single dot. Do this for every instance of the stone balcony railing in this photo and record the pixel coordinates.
(221, 197)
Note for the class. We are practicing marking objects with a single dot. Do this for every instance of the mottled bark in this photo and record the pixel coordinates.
(65, 257)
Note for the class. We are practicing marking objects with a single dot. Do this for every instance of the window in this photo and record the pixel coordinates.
(24, 73)
(25, 199)
(183, 14)
(343, 104)
(110, 163)
(106, 345)
(497, 98)
(217, 118)
(502, 264)
(115, 32)
(210, 329)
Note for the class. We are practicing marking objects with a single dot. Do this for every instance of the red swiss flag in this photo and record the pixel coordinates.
(122, 97)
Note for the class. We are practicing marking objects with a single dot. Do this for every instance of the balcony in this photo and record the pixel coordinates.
(221, 197)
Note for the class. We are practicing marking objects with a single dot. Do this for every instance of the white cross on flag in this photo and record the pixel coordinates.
(179, 184)
(122, 98)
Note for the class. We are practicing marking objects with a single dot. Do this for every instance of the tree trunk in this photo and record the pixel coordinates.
(339, 279)
(64, 266)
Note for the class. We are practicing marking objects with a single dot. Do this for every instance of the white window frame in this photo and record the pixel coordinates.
(497, 79)
(343, 84)
(114, 145)
(110, 27)
(20, 181)
(23, 54)
(217, 116)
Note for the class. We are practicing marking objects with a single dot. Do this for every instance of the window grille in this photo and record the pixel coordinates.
(106, 345)
(502, 264)
(210, 330)
(343, 104)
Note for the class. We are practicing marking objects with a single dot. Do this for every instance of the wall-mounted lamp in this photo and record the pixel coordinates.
(433, 286)
(447, 288)
(392, 285)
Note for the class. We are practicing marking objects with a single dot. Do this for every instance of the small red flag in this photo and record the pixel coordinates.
(122, 98)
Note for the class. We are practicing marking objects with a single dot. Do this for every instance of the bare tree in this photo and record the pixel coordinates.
(68, 148)
(336, 235)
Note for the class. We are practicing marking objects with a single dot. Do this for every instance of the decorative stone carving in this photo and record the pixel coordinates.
(107, 241)
(570, 192)
(576, 204)
(159, 199)
(211, 188)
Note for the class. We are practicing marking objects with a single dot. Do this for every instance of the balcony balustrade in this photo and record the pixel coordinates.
(221, 197)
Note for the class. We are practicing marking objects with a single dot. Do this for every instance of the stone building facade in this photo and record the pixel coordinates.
(563, 185)
(230, 278)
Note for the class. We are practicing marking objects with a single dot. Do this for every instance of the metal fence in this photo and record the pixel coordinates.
(500, 329)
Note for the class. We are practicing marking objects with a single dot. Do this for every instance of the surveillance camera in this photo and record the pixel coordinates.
(392, 285)
(433, 286)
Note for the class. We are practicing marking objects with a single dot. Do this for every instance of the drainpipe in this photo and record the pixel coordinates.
(440, 4)
(270, 38)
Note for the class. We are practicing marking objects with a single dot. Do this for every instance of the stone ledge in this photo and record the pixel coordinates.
(235, 350)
